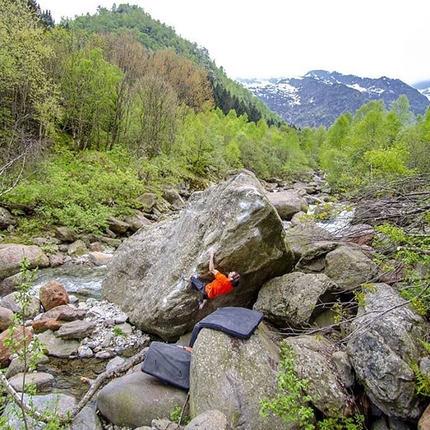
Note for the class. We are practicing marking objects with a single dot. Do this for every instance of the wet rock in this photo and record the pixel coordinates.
(53, 294)
(58, 347)
(75, 330)
(12, 255)
(41, 381)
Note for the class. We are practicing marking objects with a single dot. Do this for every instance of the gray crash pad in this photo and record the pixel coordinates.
(169, 363)
(235, 321)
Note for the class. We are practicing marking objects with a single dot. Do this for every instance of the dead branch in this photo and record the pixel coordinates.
(17, 399)
(98, 382)
(380, 314)
(413, 249)
(95, 385)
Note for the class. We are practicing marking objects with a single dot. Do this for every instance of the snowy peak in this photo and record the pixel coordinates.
(320, 97)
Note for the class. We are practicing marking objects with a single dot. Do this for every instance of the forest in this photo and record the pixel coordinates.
(97, 110)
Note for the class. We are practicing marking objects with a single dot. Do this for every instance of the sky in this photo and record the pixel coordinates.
(287, 38)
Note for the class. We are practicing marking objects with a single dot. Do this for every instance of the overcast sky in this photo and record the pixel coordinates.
(285, 38)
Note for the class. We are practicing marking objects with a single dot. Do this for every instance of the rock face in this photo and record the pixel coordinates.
(295, 298)
(233, 375)
(135, 399)
(314, 362)
(385, 339)
(234, 217)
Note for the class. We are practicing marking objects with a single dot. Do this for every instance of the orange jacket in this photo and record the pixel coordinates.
(220, 285)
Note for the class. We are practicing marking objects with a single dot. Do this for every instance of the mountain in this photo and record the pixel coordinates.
(320, 97)
(423, 87)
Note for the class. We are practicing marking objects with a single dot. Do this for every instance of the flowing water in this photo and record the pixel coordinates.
(81, 280)
(340, 223)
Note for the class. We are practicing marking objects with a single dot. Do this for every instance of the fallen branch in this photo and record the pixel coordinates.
(114, 372)
(17, 399)
(413, 249)
(95, 385)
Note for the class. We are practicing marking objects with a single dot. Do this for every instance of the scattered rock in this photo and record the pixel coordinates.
(53, 294)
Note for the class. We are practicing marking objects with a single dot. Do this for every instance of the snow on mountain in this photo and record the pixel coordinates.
(320, 97)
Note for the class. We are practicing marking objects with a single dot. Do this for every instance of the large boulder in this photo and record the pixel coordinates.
(314, 361)
(233, 376)
(348, 265)
(295, 299)
(12, 255)
(385, 338)
(300, 237)
(234, 217)
(288, 203)
(134, 400)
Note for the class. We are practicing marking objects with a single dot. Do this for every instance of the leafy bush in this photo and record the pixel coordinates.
(79, 191)
(291, 403)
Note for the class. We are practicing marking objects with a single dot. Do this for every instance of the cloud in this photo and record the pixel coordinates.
(287, 38)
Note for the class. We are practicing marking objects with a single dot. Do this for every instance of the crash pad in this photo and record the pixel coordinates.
(235, 321)
(169, 363)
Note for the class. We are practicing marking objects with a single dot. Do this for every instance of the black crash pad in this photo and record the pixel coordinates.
(235, 321)
(169, 363)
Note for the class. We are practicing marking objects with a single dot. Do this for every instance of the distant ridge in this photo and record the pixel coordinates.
(320, 97)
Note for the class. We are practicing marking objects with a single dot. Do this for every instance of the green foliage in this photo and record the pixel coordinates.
(291, 403)
(117, 331)
(412, 252)
(373, 144)
(100, 99)
(79, 191)
(356, 422)
(28, 97)
(176, 416)
(422, 381)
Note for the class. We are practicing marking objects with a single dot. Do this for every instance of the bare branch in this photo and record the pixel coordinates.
(98, 382)
(95, 385)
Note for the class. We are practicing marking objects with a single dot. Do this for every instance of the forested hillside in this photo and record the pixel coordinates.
(97, 110)
(155, 36)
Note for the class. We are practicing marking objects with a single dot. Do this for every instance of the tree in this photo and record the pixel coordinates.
(28, 99)
(89, 91)
(417, 140)
(402, 108)
(154, 117)
(126, 52)
(189, 81)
